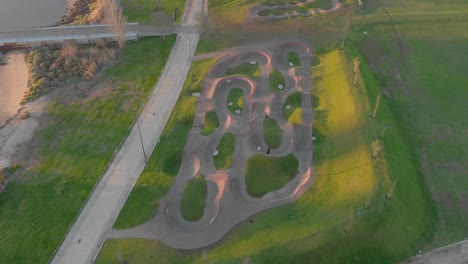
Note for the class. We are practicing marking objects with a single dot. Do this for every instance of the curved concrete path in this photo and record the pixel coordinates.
(87, 234)
(253, 12)
(227, 202)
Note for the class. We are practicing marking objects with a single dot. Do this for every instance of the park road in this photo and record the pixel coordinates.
(87, 234)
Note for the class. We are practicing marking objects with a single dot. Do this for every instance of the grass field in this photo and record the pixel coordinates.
(36, 211)
(428, 95)
(142, 10)
(292, 108)
(223, 160)
(276, 81)
(346, 178)
(236, 97)
(211, 123)
(266, 174)
(293, 58)
(165, 160)
(272, 133)
(193, 202)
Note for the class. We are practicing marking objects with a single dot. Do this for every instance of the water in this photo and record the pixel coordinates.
(25, 14)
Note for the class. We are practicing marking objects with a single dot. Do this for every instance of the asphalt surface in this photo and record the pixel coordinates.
(228, 203)
(87, 234)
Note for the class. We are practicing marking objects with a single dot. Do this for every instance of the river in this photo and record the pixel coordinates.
(25, 14)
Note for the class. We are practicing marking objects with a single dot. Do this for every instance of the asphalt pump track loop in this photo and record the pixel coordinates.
(254, 12)
(227, 202)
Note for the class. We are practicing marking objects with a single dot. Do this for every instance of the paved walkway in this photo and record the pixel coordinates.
(83, 242)
(452, 254)
(228, 203)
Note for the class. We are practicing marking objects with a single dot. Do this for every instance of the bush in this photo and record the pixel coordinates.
(3, 59)
(51, 66)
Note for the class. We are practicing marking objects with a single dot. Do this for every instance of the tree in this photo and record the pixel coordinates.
(113, 14)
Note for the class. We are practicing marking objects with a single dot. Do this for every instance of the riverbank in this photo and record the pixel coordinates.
(13, 85)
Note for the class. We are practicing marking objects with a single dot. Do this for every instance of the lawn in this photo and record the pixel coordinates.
(429, 97)
(236, 99)
(223, 160)
(272, 133)
(193, 202)
(276, 81)
(293, 58)
(211, 123)
(78, 142)
(165, 160)
(346, 179)
(142, 10)
(245, 69)
(292, 108)
(266, 174)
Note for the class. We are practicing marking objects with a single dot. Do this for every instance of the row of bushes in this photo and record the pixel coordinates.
(57, 65)
(3, 59)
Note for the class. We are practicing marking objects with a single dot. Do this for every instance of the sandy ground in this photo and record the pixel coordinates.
(24, 14)
(13, 84)
(18, 132)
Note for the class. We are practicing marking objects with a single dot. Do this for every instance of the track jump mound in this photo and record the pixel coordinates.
(251, 160)
(305, 8)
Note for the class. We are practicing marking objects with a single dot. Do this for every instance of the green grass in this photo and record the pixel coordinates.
(211, 123)
(75, 147)
(193, 202)
(315, 61)
(433, 65)
(266, 174)
(223, 160)
(165, 160)
(141, 251)
(345, 177)
(293, 58)
(236, 96)
(276, 79)
(272, 133)
(142, 10)
(294, 114)
(246, 69)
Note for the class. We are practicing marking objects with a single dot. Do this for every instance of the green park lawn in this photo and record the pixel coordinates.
(223, 160)
(430, 105)
(276, 81)
(294, 114)
(193, 201)
(236, 97)
(293, 58)
(346, 179)
(76, 145)
(266, 174)
(142, 10)
(272, 133)
(211, 123)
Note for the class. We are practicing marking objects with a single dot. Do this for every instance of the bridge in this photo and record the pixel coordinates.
(84, 34)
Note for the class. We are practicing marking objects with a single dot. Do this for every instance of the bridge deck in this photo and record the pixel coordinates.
(84, 33)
